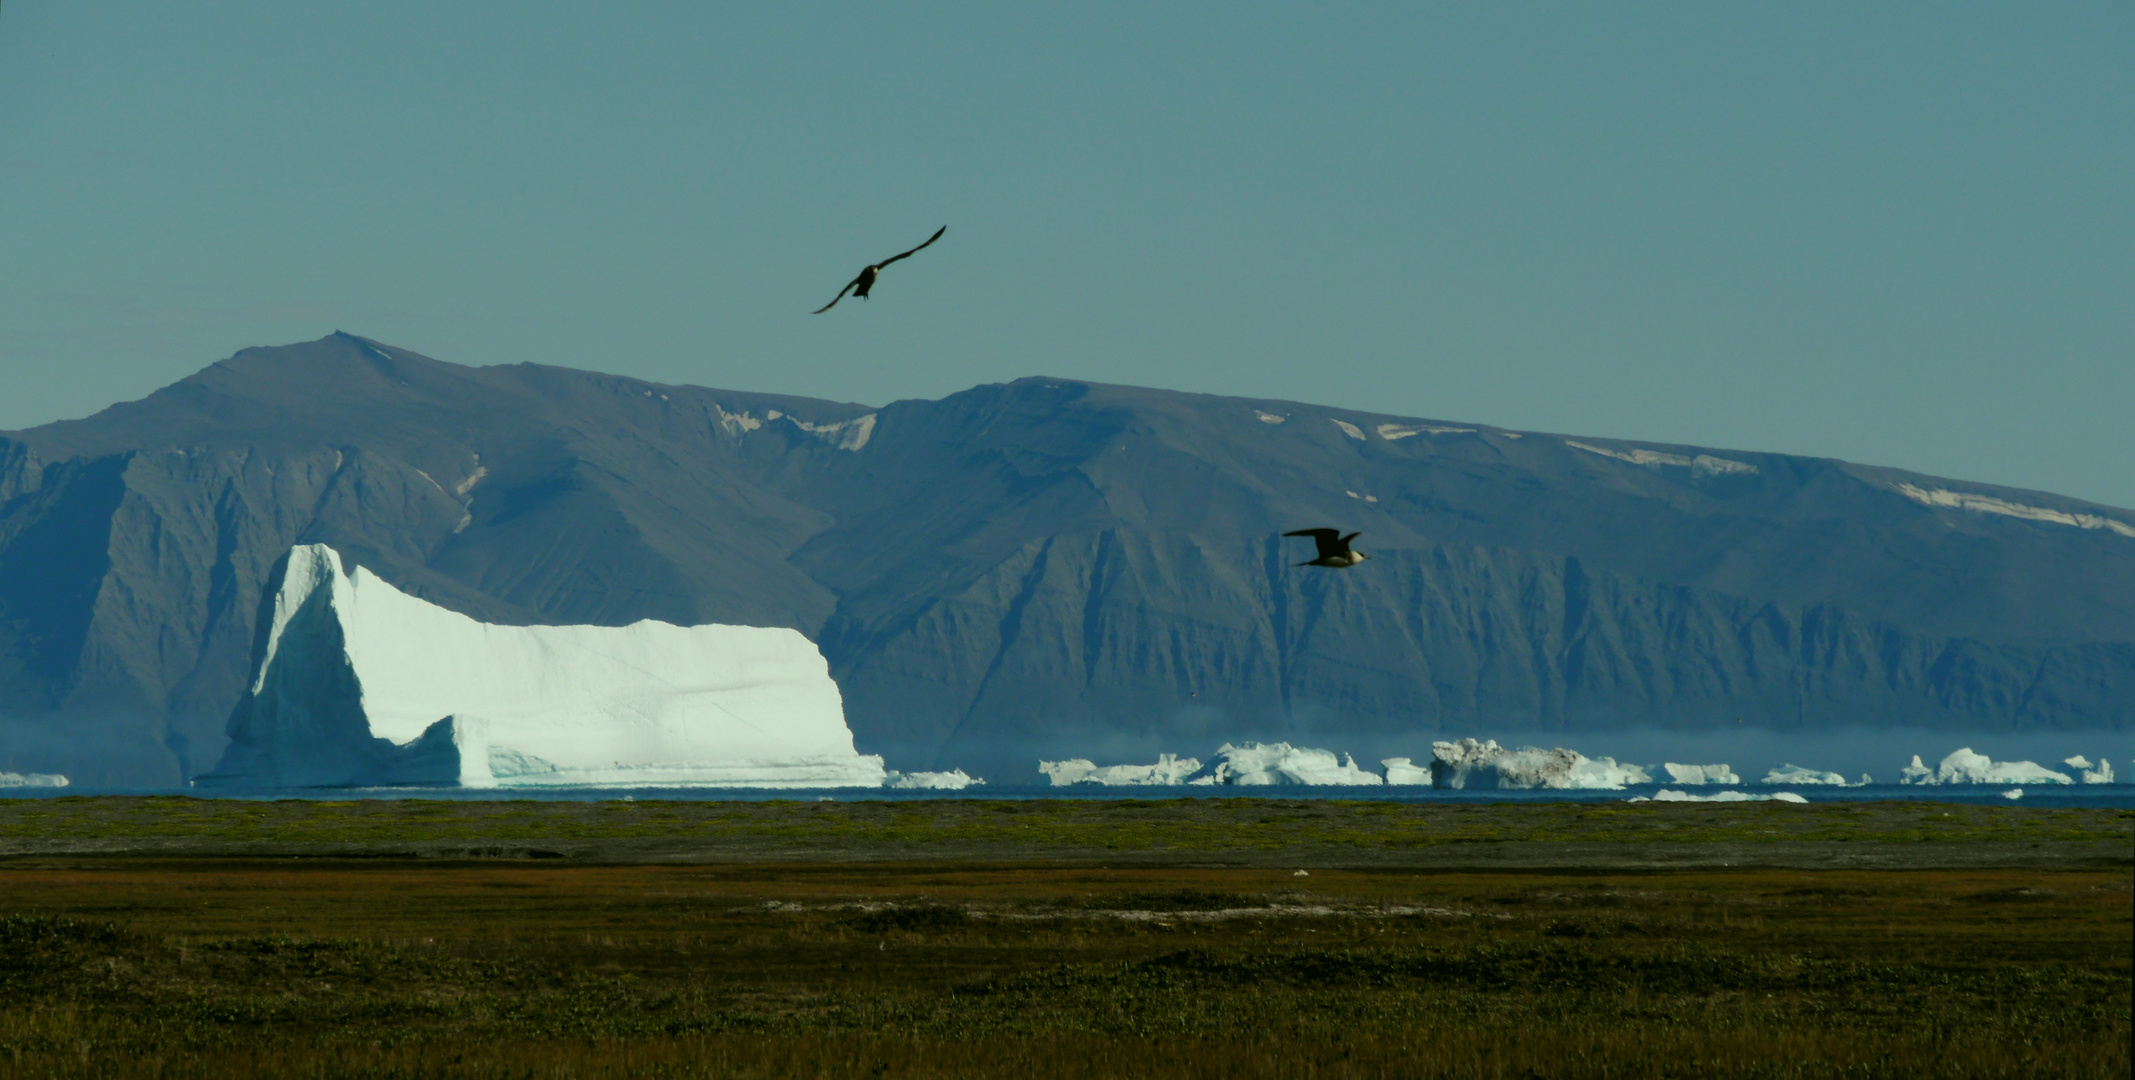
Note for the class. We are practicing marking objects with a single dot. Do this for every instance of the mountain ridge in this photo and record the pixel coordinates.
(1044, 564)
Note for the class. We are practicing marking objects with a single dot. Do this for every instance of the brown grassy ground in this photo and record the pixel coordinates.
(128, 966)
(1219, 832)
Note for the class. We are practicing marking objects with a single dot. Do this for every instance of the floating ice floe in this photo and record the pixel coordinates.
(2101, 773)
(1795, 774)
(1965, 767)
(2013, 794)
(1169, 769)
(1400, 770)
(1665, 795)
(1700, 775)
(355, 683)
(35, 779)
(953, 780)
(1257, 764)
(1468, 763)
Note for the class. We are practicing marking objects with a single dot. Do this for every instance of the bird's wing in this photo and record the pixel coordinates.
(1325, 539)
(1345, 540)
(841, 295)
(914, 251)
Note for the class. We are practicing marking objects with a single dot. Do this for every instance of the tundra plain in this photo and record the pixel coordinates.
(177, 938)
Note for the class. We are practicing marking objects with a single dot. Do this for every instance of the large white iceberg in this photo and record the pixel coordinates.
(1169, 769)
(1254, 764)
(2102, 773)
(1796, 774)
(35, 779)
(355, 683)
(953, 780)
(1965, 767)
(1469, 763)
(1400, 770)
(1700, 774)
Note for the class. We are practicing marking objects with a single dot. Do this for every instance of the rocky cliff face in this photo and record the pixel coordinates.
(1048, 566)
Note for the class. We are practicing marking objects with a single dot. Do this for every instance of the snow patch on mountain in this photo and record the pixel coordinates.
(1701, 465)
(356, 683)
(736, 423)
(844, 435)
(463, 487)
(1986, 504)
(1390, 432)
(1349, 429)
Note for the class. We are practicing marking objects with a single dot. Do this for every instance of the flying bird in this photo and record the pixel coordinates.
(859, 285)
(1334, 548)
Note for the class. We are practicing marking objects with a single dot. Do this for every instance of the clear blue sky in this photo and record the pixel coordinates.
(1895, 233)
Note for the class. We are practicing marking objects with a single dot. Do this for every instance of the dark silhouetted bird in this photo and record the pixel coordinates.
(859, 285)
(1334, 548)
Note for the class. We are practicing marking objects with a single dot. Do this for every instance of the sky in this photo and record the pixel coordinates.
(1896, 233)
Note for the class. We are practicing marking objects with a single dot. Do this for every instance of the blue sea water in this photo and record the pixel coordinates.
(2075, 795)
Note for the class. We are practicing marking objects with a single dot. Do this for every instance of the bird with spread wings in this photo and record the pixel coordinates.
(859, 285)
(1333, 547)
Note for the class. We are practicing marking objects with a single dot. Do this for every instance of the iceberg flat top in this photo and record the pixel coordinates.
(669, 693)
(348, 661)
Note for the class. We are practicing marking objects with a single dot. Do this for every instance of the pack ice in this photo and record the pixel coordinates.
(355, 683)
(1485, 764)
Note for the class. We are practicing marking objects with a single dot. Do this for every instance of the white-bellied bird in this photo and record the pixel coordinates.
(1334, 548)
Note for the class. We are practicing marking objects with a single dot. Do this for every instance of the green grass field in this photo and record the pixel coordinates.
(139, 965)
